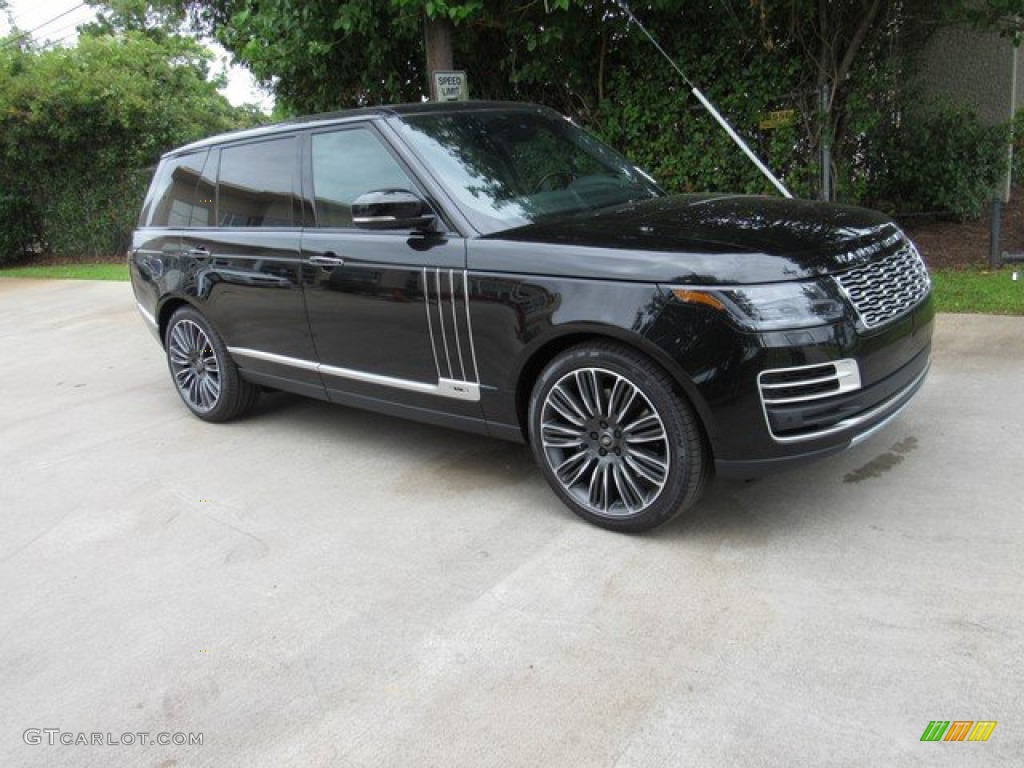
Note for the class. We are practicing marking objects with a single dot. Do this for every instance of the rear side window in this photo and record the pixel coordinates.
(347, 164)
(181, 194)
(256, 184)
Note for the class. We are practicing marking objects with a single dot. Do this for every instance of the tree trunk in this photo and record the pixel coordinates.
(437, 39)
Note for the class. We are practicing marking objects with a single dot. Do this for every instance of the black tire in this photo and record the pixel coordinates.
(203, 372)
(615, 440)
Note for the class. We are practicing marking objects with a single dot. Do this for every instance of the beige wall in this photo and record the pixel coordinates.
(978, 69)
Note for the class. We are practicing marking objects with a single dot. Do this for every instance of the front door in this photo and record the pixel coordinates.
(387, 310)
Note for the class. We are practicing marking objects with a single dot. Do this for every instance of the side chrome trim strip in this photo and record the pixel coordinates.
(469, 325)
(430, 324)
(147, 316)
(270, 357)
(440, 320)
(455, 322)
(458, 390)
(434, 301)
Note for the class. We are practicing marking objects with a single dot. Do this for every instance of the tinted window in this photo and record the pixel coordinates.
(181, 194)
(256, 184)
(511, 168)
(347, 164)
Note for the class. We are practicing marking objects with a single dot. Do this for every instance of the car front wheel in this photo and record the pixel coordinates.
(614, 439)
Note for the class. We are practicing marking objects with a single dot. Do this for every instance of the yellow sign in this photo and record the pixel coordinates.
(779, 119)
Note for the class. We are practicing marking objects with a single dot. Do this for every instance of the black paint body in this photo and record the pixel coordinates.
(492, 309)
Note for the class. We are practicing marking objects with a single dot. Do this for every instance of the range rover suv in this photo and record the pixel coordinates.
(494, 268)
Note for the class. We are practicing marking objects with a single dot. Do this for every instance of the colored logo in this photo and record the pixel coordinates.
(958, 730)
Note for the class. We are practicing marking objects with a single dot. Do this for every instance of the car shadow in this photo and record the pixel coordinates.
(742, 510)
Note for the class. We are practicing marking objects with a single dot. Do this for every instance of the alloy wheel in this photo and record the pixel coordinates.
(604, 441)
(194, 365)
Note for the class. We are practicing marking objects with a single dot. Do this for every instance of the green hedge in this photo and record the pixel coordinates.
(79, 127)
(939, 160)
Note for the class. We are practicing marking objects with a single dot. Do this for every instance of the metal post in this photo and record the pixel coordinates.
(826, 144)
(994, 257)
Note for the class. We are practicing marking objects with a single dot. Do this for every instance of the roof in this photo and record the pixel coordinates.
(328, 118)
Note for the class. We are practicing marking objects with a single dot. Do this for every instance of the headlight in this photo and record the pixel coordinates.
(771, 307)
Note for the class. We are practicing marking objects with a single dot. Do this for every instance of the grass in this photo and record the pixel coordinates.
(71, 271)
(956, 290)
(980, 291)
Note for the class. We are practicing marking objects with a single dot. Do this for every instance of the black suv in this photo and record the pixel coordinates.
(494, 268)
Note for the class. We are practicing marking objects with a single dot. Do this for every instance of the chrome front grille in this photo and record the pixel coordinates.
(888, 287)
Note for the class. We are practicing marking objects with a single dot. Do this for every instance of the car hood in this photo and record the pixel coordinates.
(709, 239)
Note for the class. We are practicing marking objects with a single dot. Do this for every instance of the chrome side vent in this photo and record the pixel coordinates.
(808, 401)
(783, 386)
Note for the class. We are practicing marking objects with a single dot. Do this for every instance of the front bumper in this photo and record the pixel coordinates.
(775, 400)
(854, 418)
(803, 418)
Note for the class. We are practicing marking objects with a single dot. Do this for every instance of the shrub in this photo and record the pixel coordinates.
(941, 160)
(77, 123)
(17, 227)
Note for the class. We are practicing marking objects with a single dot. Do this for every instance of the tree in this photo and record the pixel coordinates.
(583, 57)
(1004, 16)
(80, 128)
(159, 20)
(570, 54)
(323, 54)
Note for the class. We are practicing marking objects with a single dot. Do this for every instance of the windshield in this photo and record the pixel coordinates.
(510, 168)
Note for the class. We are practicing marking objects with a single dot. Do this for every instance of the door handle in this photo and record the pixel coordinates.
(327, 260)
(199, 250)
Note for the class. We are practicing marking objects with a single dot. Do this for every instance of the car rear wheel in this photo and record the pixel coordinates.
(614, 439)
(205, 376)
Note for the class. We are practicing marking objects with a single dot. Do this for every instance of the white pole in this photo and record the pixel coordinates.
(710, 107)
(740, 142)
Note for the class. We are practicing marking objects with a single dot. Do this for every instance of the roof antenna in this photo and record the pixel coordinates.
(709, 106)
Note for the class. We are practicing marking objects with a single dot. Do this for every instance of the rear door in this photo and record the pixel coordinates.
(175, 202)
(247, 261)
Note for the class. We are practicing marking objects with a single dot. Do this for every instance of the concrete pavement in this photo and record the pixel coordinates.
(315, 586)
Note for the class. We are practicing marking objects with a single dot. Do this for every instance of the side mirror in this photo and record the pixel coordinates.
(392, 209)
